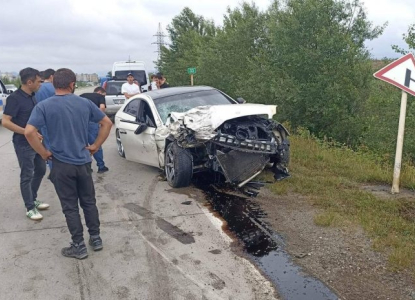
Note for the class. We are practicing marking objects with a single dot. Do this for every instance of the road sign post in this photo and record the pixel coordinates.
(399, 145)
(400, 73)
(191, 72)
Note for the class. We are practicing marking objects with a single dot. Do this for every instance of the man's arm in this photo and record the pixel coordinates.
(104, 131)
(102, 107)
(7, 123)
(32, 137)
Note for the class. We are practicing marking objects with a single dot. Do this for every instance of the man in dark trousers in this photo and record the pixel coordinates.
(16, 114)
(66, 117)
(98, 98)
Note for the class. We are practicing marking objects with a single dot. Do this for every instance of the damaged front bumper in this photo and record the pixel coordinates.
(239, 148)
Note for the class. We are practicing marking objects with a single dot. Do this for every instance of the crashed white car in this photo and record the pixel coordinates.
(184, 130)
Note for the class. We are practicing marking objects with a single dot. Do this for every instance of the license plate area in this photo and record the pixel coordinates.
(119, 101)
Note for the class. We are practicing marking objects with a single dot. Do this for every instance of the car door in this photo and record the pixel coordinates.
(147, 152)
(137, 135)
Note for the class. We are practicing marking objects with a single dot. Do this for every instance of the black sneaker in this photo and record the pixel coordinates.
(96, 243)
(103, 170)
(78, 251)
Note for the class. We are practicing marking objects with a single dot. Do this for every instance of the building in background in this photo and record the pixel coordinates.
(10, 76)
(87, 78)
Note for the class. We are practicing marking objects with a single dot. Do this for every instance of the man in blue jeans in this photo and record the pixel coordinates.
(16, 114)
(98, 98)
(66, 117)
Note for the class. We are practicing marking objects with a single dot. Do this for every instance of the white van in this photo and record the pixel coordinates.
(120, 69)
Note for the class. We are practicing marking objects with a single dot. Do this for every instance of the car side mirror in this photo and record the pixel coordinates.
(141, 128)
(240, 100)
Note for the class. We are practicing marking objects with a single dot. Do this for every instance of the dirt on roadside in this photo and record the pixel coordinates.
(342, 258)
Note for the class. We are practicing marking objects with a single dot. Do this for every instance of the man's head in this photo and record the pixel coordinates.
(160, 78)
(64, 79)
(48, 75)
(130, 78)
(42, 75)
(30, 79)
(100, 90)
(153, 77)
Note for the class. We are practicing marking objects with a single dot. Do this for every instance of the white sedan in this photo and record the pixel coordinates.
(184, 130)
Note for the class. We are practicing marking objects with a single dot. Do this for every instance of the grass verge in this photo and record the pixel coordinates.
(332, 178)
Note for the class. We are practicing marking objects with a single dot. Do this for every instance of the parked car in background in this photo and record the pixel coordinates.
(10, 88)
(185, 130)
(114, 98)
(3, 98)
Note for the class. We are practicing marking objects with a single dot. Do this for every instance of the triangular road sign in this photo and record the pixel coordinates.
(400, 73)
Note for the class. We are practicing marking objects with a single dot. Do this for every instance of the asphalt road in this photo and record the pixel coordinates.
(155, 247)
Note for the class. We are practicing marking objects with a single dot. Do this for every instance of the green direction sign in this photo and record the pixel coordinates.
(191, 71)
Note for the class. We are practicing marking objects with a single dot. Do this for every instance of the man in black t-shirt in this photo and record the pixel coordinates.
(98, 97)
(16, 114)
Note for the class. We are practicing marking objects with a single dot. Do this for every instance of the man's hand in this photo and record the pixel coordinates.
(92, 149)
(40, 136)
(47, 155)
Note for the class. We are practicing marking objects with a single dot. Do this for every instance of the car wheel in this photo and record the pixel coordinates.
(178, 166)
(120, 147)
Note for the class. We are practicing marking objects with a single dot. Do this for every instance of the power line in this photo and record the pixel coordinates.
(160, 41)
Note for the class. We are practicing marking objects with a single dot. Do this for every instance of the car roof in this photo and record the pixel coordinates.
(161, 93)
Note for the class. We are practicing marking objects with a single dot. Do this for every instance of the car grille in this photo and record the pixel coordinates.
(246, 145)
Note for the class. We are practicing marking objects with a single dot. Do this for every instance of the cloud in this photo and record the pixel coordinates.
(89, 35)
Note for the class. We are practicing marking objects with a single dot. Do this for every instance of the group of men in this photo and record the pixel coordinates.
(52, 124)
(132, 86)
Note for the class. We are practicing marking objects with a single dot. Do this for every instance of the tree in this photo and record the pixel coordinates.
(189, 34)
(319, 45)
(409, 39)
(236, 60)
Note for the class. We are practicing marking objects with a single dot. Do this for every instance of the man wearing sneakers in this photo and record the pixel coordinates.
(32, 167)
(66, 117)
(98, 98)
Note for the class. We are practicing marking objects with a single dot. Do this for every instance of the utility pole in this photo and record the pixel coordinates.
(160, 41)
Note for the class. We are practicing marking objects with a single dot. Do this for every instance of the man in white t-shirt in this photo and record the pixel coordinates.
(130, 89)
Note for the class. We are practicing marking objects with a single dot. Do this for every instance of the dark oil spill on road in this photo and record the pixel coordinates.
(264, 247)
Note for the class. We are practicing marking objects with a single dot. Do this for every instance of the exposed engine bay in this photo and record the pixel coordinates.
(240, 149)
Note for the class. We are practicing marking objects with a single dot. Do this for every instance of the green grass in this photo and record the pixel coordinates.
(332, 177)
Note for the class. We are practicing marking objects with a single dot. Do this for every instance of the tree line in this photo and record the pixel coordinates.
(306, 56)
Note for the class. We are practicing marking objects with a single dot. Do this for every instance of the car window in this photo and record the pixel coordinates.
(139, 75)
(184, 102)
(114, 87)
(145, 115)
(132, 107)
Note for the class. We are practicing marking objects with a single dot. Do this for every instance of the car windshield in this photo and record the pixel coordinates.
(140, 76)
(184, 102)
(114, 87)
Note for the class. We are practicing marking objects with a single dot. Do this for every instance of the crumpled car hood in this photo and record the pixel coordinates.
(203, 120)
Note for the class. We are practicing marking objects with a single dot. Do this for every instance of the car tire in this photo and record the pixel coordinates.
(120, 147)
(178, 166)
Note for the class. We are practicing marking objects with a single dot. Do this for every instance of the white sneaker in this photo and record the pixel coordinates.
(40, 205)
(34, 214)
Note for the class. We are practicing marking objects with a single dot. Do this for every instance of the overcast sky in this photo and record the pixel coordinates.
(89, 35)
